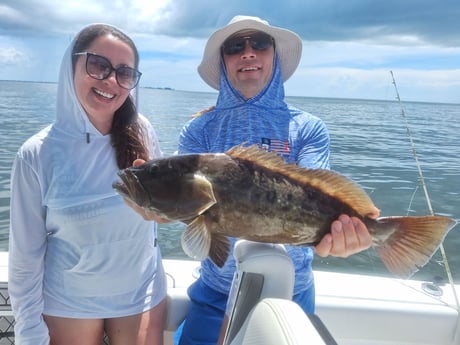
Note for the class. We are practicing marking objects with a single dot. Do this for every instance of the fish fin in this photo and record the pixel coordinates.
(198, 243)
(413, 242)
(220, 247)
(196, 239)
(326, 181)
(254, 153)
(202, 193)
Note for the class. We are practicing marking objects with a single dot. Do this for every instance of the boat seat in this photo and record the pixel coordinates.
(269, 260)
(177, 307)
(282, 322)
(260, 306)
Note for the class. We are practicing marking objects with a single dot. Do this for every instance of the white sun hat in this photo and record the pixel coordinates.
(288, 45)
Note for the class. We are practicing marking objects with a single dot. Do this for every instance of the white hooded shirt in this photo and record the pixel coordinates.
(76, 249)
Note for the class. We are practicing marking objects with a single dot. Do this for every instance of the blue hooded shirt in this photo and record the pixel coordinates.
(266, 120)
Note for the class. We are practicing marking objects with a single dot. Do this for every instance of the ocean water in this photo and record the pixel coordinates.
(370, 144)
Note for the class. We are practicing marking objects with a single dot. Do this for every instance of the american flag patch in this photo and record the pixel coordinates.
(276, 145)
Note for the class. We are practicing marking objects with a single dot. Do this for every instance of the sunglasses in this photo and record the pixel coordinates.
(257, 41)
(100, 68)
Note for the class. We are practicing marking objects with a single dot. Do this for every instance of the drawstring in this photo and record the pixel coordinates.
(87, 138)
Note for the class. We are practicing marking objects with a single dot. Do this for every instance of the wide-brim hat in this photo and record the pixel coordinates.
(288, 46)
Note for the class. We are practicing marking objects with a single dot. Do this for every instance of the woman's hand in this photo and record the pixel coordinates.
(146, 214)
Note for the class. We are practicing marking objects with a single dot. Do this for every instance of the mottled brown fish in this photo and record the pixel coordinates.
(252, 194)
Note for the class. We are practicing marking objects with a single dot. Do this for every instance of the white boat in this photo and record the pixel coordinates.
(353, 309)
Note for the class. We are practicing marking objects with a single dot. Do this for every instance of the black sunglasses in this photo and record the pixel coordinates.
(237, 44)
(100, 68)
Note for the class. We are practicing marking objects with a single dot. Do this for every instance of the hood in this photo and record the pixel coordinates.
(71, 118)
(77, 163)
(265, 119)
(271, 97)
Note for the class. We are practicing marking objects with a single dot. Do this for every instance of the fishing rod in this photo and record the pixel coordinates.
(425, 189)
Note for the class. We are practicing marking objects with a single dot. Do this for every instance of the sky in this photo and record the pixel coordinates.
(349, 46)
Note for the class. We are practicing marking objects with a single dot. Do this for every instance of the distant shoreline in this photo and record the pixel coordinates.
(55, 82)
(166, 88)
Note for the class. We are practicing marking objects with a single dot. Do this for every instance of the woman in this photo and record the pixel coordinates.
(81, 261)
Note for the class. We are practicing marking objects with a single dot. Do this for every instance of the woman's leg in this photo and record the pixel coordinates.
(139, 329)
(69, 331)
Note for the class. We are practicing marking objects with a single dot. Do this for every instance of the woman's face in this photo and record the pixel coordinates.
(101, 98)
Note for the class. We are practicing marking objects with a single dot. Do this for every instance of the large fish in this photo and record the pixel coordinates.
(253, 194)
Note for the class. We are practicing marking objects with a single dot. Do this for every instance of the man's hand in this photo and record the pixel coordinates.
(348, 236)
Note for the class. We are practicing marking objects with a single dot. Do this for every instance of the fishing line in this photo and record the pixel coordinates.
(412, 200)
(427, 197)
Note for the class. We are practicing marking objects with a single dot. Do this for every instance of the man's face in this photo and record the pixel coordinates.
(248, 58)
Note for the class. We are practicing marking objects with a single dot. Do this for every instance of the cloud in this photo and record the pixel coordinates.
(10, 56)
(367, 55)
(339, 82)
(349, 46)
(391, 21)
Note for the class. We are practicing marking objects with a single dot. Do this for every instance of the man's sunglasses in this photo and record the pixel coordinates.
(100, 68)
(237, 44)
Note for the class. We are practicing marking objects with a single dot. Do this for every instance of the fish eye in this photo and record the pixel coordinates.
(153, 169)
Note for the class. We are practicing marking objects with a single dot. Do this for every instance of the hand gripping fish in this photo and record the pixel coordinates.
(252, 194)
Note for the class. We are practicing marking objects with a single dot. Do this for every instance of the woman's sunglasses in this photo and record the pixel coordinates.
(100, 68)
(257, 41)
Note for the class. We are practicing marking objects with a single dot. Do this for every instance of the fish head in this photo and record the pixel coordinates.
(171, 187)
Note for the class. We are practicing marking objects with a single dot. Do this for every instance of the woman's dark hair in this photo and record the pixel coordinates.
(127, 135)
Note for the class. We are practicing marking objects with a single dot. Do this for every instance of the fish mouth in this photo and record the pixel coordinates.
(130, 187)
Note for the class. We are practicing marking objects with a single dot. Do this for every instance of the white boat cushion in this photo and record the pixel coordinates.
(280, 322)
(272, 261)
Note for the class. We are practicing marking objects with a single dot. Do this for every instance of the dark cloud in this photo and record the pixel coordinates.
(29, 18)
(384, 22)
(428, 21)
(20, 17)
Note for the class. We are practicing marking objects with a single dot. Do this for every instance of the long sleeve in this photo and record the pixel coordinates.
(191, 139)
(27, 247)
(314, 144)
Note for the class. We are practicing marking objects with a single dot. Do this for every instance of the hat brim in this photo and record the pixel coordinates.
(288, 46)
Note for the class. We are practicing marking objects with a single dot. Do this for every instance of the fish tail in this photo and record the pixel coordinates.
(411, 242)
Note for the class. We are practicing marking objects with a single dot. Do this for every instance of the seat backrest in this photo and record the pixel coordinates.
(263, 270)
(282, 322)
(269, 260)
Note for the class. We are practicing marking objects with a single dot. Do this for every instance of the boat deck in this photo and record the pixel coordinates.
(356, 309)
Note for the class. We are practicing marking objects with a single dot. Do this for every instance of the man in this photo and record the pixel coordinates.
(247, 61)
